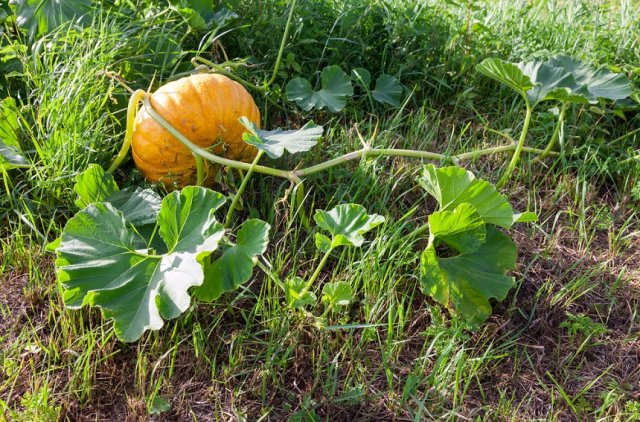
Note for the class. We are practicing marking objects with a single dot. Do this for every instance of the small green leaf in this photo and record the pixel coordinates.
(337, 294)
(11, 157)
(388, 90)
(361, 76)
(9, 124)
(99, 263)
(467, 281)
(159, 405)
(275, 142)
(235, 266)
(452, 186)
(525, 217)
(94, 185)
(335, 87)
(506, 73)
(347, 224)
(297, 295)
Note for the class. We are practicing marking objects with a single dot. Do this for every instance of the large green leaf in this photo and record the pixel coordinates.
(139, 206)
(235, 266)
(560, 78)
(452, 186)
(388, 90)
(347, 224)
(593, 83)
(335, 87)
(41, 16)
(98, 262)
(275, 142)
(468, 280)
(506, 73)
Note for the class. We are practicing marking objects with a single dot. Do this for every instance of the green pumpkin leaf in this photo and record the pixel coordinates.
(361, 76)
(467, 281)
(561, 78)
(337, 294)
(9, 123)
(139, 206)
(41, 16)
(593, 83)
(347, 224)
(275, 142)
(506, 73)
(388, 90)
(452, 186)
(94, 185)
(335, 87)
(462, 229)
(99, 263)
(11, 157)
(235, 266)
(297, 295)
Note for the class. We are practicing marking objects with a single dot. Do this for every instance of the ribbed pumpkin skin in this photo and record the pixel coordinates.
(203, 107)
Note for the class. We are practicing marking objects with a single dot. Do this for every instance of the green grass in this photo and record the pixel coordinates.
(562, 346)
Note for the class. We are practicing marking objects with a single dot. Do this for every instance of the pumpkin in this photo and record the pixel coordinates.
(203, 107)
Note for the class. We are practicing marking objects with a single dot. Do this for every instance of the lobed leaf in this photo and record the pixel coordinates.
(347, 224)
(275, 142)
(467, 281)
(337, 294)
(99, 263)
(235, 266)
(506, 73)
(452, 186)
(335, 87)
(388, 90)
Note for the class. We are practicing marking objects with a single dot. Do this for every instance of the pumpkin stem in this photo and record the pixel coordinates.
(282, 44)
(236, 197)
(132, 110)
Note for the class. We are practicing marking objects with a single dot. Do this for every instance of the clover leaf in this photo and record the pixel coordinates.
(235, 266)
(347, 224)
(335, 87)
(275, 142)
(100, 264)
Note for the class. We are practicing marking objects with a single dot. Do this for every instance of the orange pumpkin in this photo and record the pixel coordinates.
(203, 107)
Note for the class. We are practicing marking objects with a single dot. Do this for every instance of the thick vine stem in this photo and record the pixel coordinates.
(556, 132)
(132, 110)
(282, 44)
(516, 155)
(297, 175)
(243, 185)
